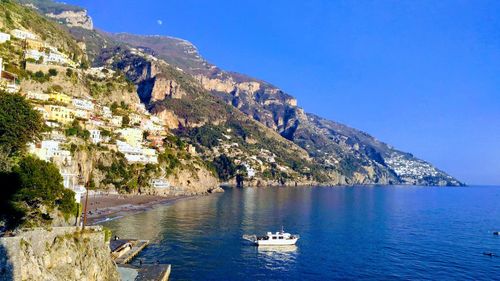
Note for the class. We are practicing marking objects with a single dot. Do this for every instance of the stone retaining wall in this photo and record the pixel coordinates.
(59, 253)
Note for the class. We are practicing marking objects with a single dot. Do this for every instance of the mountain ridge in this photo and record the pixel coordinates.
(343, 154)
(223, 83)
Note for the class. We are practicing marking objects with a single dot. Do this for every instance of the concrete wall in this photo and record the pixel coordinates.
(60, 253)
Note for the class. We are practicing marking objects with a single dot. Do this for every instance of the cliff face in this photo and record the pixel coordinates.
(69, 15)
(347, 155)
(58, 254)
(177, 84)
(73, 19)
(211, 126)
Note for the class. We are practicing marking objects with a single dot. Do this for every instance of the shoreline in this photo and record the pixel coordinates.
(104, 208)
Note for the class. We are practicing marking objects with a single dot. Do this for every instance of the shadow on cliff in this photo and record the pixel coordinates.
(6, 266)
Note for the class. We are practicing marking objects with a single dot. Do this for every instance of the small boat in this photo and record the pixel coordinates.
(280, 238)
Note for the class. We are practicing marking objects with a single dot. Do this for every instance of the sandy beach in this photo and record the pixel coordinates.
(108, 207)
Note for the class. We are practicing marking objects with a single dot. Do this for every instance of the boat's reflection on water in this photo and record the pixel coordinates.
(278, 257)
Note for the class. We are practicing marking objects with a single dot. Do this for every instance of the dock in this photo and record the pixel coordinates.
(124, 250)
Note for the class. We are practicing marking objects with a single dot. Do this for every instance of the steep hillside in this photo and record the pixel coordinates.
(359, 157)
(212, 126)
(97, 128)
(176, 83)
(14, 16)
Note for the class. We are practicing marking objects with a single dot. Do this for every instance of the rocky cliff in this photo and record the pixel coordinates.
(69, 15)
(178, 84)
(61, 253)
(353, 156)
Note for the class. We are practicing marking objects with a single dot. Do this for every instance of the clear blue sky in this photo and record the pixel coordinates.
(423, 76)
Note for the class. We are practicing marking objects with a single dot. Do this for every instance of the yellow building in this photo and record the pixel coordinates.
(60, 98)
(60, 114)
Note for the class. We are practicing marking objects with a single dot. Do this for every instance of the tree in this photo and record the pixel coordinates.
(52, 72)
(33, 190)
(19, 123)
(225, 167)
(125, 121)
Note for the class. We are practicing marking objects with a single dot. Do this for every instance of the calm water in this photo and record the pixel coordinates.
(361, 233)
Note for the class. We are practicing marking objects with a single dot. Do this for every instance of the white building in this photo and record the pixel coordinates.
(35, 54)
(152, 127)
(250, 170)
(48, 58)
(70, 182)
(95, 136)
(22, 34)
(37, 96)
(4, 37)
(160, 183)
(47, 150)
(135, 118)
(106, 112)
(95, 122)
(137, 154)
(116, 121)
(83, 104)
(132, 136)
(82, 114)
(58, 58)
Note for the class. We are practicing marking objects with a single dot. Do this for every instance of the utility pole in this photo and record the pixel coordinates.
(87, 186)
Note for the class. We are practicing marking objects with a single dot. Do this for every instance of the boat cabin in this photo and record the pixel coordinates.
(276, 236)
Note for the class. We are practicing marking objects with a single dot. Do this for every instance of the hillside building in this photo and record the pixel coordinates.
(132, 136)
(59, 97)
(83, 104)
(60, 114)
(22, 34)
(4, 37)
(37, 96)
(116, 121)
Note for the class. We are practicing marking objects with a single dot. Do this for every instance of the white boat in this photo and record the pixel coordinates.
(280, 238)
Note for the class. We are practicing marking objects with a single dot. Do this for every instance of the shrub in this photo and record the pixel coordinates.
(69, 72)
(52, 72)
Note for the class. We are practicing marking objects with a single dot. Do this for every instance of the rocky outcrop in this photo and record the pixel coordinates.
(73, 19)
(61, 253)
(165, 88)
(227, 85)
(197, 180)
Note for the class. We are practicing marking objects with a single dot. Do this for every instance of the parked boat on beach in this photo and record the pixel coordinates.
(280, 238)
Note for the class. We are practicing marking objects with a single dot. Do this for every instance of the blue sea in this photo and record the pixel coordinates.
(347, 233)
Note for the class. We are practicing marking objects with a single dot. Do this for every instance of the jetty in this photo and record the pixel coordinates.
(124, 250)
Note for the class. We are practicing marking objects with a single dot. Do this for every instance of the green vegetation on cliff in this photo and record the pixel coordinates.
(32, 189)
(19, 123)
